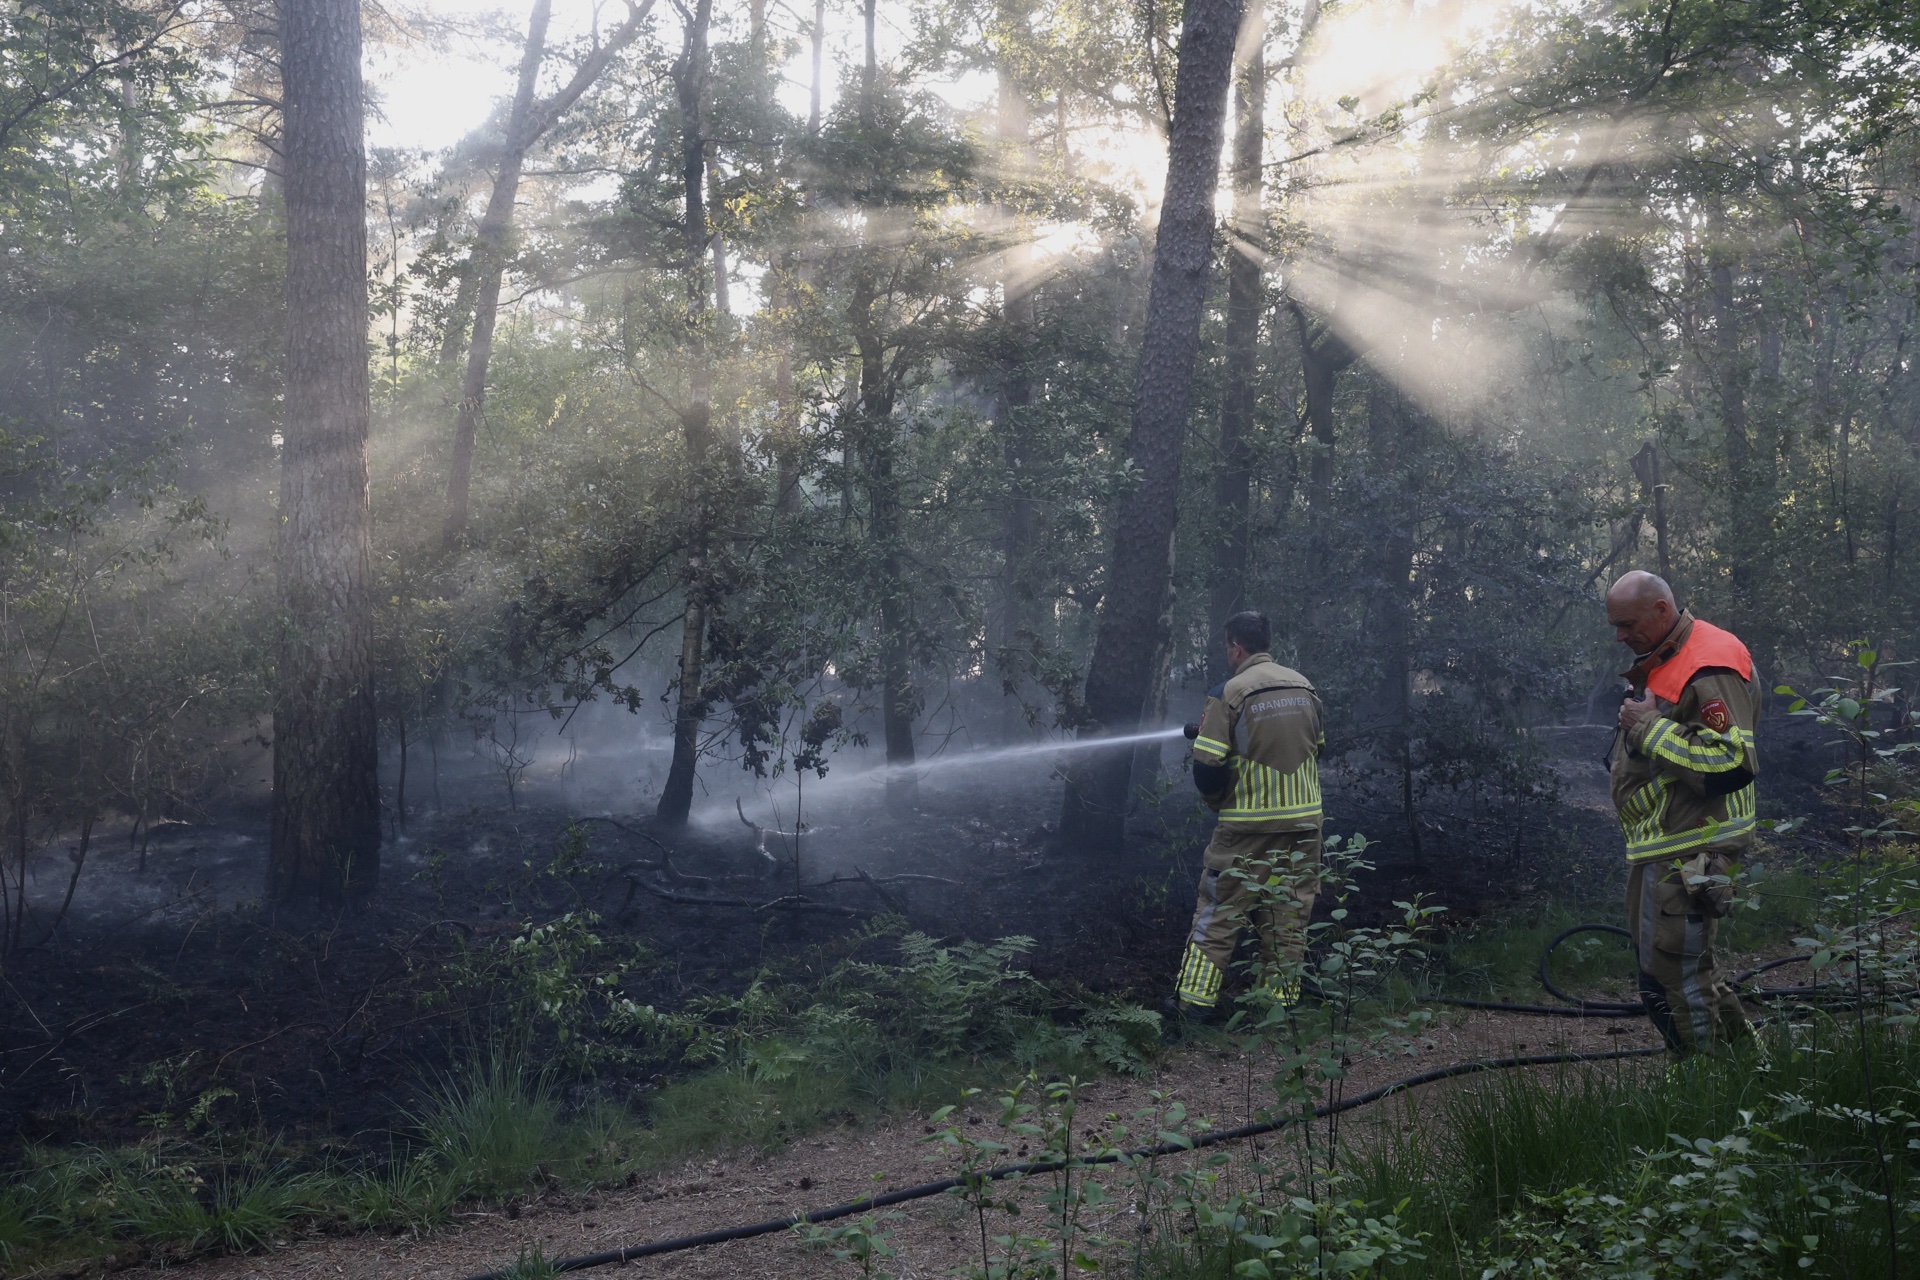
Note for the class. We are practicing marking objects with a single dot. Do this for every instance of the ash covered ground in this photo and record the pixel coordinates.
(165, 982)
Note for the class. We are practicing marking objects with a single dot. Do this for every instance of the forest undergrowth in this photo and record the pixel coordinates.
(1798, 1157)
(1796, 1161)
(1484, 1180)
(520, 1116)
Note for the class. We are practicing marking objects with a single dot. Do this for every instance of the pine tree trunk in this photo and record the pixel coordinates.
(676, 798)
(1246, 255)
(325, 836)
(1120, 677)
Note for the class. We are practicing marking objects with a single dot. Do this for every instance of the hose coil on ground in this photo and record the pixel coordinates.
(1571, 1006)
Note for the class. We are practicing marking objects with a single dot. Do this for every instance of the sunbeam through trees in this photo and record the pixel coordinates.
(588, 560)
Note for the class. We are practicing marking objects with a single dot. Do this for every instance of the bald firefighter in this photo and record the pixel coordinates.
(1683, 765)
(1256, 762)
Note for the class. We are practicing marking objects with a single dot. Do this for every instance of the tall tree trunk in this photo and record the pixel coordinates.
(488, 265)
(696, 420)
(1120, 677)
(899, 701)
(819, 64)
(788, 451)
(1324, 355)
(786, 431)
(1246, 257)
(1013, 620)
(1391, 425)
(1323, 358)
(870, 69)
(1653, 489)
(1732, 377)
(325, 831)
(527, 120)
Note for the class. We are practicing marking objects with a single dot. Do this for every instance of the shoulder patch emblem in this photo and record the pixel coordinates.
(1715, 716)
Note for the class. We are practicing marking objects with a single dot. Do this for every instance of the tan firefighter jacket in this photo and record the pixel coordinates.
(1683, 778)
(1257, 759)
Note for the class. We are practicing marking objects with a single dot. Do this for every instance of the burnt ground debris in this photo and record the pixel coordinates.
(325, 1028)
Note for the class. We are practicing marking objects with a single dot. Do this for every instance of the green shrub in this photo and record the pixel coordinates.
(1527, 1156)
(1701, 1207)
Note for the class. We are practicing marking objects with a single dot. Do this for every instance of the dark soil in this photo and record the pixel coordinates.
(165, 983)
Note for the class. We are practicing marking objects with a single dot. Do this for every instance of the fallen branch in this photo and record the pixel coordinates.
(665, 864)
(905, 878)
(893, 904)
(761, 833)
(791, 902)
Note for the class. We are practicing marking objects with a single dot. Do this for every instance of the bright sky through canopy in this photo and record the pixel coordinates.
(430, 98)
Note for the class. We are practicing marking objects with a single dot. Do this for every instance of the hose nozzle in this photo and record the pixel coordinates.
(1192, 731)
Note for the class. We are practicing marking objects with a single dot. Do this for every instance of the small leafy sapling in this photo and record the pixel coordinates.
(866, 1242)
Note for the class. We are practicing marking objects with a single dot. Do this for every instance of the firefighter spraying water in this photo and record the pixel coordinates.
(1256, 763)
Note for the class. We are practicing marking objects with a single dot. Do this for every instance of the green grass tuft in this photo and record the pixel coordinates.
(1473, 1163)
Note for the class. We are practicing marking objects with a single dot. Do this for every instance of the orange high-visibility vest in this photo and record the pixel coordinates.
(1706, 646)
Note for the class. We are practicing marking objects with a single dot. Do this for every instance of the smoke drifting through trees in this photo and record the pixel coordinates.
(929, 470)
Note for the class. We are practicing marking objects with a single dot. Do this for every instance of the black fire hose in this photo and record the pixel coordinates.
(1576, 1007)
(1573, 1007)
(677, 1244)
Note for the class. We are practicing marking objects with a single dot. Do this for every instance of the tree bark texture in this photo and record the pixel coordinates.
(696, 420)
(1120, 677)
(1246, 257)
(325, 833)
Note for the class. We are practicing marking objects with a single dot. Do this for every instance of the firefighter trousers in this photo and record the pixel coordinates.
(1263, 879)
(1673, 926)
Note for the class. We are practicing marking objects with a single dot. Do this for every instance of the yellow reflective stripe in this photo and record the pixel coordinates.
(1266, 815)
(1666, 741)
(1641, 815)
(1200, 978)
(1643, 844)
(1210, 747)
(1261, 793)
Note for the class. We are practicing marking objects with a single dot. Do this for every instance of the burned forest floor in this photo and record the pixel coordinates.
(629, 960)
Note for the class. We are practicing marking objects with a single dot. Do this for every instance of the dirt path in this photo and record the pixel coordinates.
(935, 1235)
